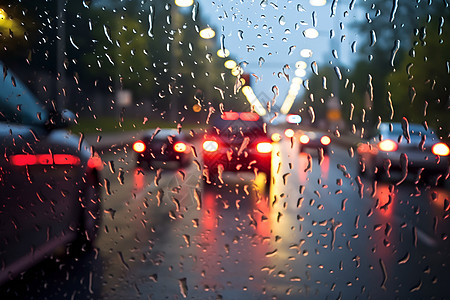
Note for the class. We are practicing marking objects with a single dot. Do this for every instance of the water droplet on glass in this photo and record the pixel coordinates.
(241, 34)
(195, 9)
(394, 51)
(393, 11)
(261, 61)
(373, 38)
(315, 67)
(282, 21)
(107, 32)
(151, 16)
(182, 283)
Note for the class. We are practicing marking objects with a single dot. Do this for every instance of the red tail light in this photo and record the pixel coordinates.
(95, 162)
(440, 149)
(230, 116)
(304, 139)
(180, 147)
(388, 145)
(264, 147)
(44, 159)
(210, 146)
(139, 146)
(325, 140)
(249, 116)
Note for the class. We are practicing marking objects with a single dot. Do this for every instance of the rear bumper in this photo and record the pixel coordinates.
(243, 163)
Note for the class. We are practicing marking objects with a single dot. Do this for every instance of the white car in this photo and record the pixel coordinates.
(410, 148)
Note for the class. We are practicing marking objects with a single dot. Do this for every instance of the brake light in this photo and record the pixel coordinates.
(44, 159)
(440, 149)
(230, 116)
(388, 145)
(95, 162)
(249, 116)
(325, 140)
(304, 139)
(179, 147)
(289, 133)
(139, 146)
(210, 146)
(264, 147)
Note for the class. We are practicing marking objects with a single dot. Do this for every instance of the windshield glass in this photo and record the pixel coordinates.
(257, 149)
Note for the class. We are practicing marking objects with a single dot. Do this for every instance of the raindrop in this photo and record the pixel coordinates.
(404, 167)
(261, 61)
(241, 34)
(383, 270)
(111, 166)
(405, 128)
(182, 283)
(107, 187)
(315, 67)
(373, 38)
(209, 57)
(338, 72)
(282, 21)
(73, 43)
(354, 47)
(311, 114)
(394, 10)
(264, 3)
(394, 51)
(120, 176)
(151, 16)
(195, 9)
(300, 8)
(198, 198)
(412, 94)
(404, 259)
(391, 107)
(333, 8)
(107, 32)
(291, 49)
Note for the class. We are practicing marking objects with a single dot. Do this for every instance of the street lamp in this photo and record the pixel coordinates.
(317, 2)
(3, 14)
(184, 3)
(207, 33)
(173, 56)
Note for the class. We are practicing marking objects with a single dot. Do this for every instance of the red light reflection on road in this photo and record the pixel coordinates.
(385, 196)
(325, 167)
(138, 179)
(440, 199)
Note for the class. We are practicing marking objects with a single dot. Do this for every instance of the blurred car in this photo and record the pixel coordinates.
(49, 181)
(395, 146)
(314, 140)
(289, 127)
(162, 147)
(236, 142)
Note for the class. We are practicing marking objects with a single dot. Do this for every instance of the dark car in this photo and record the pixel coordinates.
(315, 140)
(48, 181)
(290, 127)
(236, 142)
(406, 147)
(164, 147)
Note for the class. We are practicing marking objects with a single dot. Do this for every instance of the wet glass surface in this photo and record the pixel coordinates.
(340, 190)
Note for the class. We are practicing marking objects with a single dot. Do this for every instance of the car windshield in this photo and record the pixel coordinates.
(216, 149)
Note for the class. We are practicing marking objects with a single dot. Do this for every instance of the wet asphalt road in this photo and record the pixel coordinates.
(319, 234)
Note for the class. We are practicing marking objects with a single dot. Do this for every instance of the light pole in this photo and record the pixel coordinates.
(174, 15)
